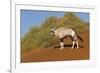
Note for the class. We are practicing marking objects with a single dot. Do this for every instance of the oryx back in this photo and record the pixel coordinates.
(63, 32)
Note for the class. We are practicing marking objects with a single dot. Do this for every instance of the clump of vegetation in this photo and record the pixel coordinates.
(40, 37)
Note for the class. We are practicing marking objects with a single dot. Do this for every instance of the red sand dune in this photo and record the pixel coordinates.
(55, 54)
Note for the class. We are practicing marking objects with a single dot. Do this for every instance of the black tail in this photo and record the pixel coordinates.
(78, 35)
(80, 38)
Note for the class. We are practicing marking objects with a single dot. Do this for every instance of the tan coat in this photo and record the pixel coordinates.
(63, 32)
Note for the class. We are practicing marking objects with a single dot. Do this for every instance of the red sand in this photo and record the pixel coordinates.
(55, 54)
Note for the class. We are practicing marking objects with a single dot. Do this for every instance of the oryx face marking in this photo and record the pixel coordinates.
(52, 30)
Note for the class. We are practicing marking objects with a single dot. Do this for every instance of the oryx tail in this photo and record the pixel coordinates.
(80, 38)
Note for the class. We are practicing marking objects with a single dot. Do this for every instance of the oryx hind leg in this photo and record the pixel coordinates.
(73, 44)
(77, 44)
(75, 41)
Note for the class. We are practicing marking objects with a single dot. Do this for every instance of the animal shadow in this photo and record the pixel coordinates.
(67, 45)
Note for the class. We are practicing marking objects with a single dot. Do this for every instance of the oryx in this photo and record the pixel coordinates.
(63, 32)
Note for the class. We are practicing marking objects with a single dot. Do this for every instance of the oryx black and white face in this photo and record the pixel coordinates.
(52, 30)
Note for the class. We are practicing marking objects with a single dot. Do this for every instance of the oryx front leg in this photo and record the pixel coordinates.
(73, 44)
(62, 45)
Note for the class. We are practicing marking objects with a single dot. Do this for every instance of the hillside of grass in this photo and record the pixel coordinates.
(40, 36)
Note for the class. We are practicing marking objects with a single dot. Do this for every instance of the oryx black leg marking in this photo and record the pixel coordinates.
(75, 41)
(61, 40)
(72, 38)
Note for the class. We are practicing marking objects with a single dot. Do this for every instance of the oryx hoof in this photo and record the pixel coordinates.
(72, 48)
(77, 48)
(61, 48)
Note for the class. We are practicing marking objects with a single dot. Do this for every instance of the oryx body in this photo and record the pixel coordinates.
(62, 33)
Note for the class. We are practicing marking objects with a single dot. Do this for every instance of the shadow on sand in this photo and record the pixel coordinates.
(68, 45)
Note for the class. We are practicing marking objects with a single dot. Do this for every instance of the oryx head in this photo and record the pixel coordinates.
(52, 30)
